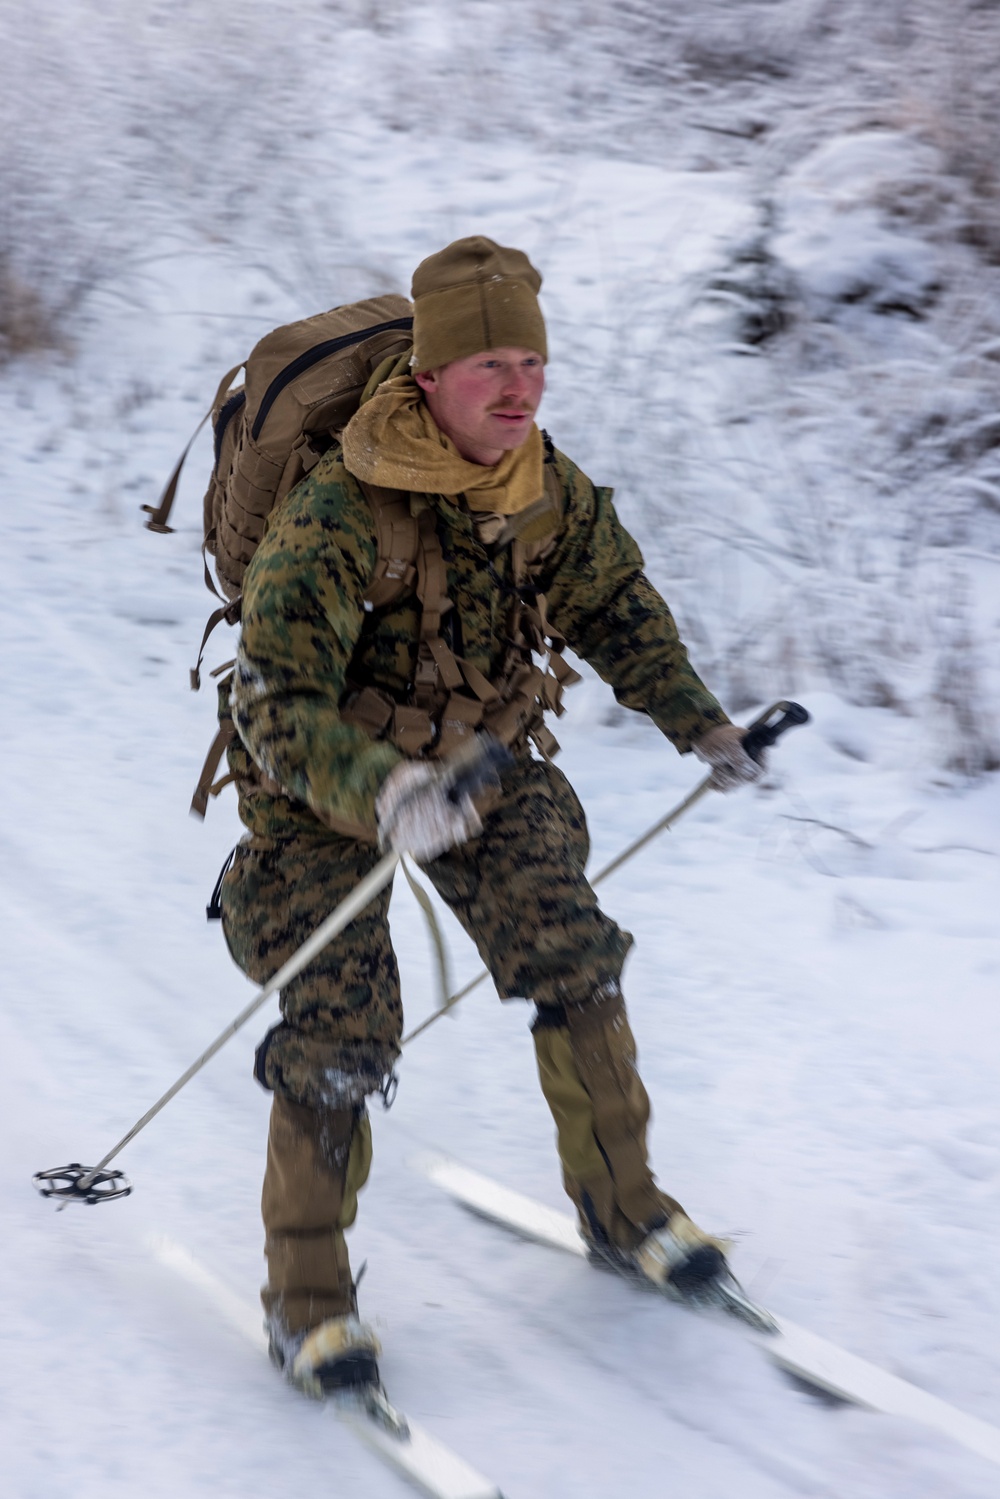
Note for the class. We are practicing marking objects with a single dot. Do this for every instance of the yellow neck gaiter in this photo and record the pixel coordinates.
(394, 442)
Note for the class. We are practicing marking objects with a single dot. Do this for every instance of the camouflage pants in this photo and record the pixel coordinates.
(519, 890)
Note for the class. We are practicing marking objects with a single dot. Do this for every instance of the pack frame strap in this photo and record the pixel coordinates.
(432, 580)
(518, 564)
(207, 785)
(449, 670)
(437, 672)
(398, 543)
(209, 544)
(159, 513)
(230, 612)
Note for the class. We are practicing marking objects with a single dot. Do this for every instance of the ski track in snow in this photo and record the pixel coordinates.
(813, 991)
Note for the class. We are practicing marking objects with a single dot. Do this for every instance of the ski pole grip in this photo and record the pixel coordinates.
(765, 733)
(478, 767)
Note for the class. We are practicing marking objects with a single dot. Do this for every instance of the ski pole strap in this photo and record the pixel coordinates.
(434, 928)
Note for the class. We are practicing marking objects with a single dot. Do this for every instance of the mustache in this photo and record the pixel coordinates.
(510, 408)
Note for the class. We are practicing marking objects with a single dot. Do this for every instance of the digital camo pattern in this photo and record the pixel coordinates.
(306, 635)
(518, 888)
(341, 1017)
(520, 892)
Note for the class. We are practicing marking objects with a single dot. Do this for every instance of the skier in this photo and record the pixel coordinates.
(346, 713)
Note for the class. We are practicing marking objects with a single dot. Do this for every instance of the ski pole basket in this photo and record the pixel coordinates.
(76, 1183)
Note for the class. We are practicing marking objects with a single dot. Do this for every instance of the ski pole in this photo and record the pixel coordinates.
(92, 1184)
(762, 733)
(95, 1184)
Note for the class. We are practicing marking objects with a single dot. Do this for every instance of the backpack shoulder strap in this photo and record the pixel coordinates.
(531, 532)
(398, 536)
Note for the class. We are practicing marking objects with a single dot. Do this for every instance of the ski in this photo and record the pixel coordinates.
(401, 1443)
(804, 1355)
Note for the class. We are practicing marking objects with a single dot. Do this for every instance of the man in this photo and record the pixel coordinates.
(354, 681)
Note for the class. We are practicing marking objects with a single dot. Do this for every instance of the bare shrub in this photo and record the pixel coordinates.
(26, 323)
(948, 90)
(959, 706)
(800, 504)
(736, 47)
(91, 175)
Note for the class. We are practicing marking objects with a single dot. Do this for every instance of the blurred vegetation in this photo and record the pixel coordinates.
(817, 515)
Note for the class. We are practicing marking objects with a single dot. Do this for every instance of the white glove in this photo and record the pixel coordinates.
(416, 816)
(722, 748)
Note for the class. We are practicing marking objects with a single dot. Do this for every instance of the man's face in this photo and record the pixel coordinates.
(486, 404)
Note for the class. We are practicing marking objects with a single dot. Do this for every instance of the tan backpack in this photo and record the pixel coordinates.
(303, 384)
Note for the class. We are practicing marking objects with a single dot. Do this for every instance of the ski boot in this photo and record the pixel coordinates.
(681, 1261)
(339, 1355)
(678, 1258)
(681, 1258)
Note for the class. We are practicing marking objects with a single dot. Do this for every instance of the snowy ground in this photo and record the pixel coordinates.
(813, 986)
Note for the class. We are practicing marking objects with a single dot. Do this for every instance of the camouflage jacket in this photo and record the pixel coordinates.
(306, 633)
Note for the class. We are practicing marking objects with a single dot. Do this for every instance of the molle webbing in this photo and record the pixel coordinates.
(303, 383)
(451, 698)
(395, 569)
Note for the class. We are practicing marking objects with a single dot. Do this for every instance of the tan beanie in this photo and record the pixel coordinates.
(475, 295)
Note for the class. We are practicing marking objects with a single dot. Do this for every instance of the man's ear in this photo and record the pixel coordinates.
(427, 379)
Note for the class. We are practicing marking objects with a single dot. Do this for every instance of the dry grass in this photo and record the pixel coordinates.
(28, 325)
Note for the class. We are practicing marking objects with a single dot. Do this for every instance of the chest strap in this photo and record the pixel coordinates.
(450, 698)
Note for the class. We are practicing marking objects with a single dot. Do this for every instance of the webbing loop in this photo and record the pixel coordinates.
(230, 612)
(159, 513)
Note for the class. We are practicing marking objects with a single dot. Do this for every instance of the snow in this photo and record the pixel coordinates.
(833, 231)
(817, 962)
